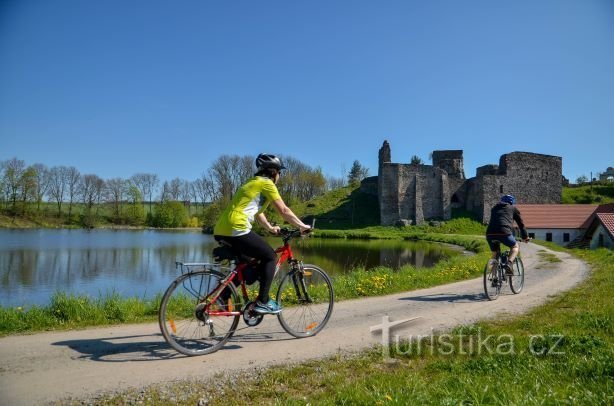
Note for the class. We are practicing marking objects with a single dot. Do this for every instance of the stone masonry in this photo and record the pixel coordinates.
(411, 193)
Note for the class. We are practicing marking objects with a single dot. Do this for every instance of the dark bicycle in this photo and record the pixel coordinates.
(496, 277)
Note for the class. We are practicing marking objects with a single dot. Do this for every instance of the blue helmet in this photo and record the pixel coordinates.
(508, 199)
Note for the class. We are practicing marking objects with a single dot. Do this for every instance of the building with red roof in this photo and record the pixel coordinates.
(559, 223)
(600, 228)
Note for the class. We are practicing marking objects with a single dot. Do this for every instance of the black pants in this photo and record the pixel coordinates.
(254, 246)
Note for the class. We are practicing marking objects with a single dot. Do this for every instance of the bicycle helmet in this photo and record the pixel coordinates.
(266, 161)
(508, 199)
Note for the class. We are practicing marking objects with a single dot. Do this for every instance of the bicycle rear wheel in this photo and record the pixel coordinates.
(492, 280)
(517, 279)
(184, 322)
(306, 297)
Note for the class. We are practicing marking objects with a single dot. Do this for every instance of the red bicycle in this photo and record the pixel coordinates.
(200, 310)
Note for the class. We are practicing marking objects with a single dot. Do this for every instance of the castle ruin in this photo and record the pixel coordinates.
(413, 193)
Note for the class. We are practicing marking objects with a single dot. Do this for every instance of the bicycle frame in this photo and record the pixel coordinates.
(284, 254)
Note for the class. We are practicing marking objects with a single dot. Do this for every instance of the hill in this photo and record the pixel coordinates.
(600, 193)
(340, 209)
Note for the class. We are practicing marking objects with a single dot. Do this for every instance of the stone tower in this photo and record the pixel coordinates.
(450, 161)
(384, 154)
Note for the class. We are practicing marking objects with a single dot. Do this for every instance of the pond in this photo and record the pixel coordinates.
(36, 263)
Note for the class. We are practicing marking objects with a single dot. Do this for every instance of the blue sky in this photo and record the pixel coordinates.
(119, 87)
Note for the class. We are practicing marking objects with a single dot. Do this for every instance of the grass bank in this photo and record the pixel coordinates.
(70, 312)
(559, 353)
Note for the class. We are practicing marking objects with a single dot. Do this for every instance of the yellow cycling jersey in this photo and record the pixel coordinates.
(251, 198)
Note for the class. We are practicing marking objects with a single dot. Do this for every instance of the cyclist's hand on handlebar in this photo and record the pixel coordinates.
(306, 229)
(275, 230)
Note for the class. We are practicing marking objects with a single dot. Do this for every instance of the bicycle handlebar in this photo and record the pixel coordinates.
(288, 233)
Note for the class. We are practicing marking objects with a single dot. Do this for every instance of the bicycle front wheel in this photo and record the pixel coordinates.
(306, 297)
(517, 279)
(187, 324)
(492, 280)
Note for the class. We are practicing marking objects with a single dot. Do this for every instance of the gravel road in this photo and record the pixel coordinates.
(78, 364)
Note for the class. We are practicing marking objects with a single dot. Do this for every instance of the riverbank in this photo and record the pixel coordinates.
(70, 312)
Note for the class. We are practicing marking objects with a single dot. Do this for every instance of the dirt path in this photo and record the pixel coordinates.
(52, 366)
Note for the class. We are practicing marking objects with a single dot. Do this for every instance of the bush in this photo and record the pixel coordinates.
(170, 214)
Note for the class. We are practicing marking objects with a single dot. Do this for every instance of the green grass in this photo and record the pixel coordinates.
(69, 312)
(597, 194)
(563, 353)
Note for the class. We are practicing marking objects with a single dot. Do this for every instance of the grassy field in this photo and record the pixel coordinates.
(559, 353)
(597, 194)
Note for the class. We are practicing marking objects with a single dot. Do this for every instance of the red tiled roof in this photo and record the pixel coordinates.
(607, 219)
(556, 215)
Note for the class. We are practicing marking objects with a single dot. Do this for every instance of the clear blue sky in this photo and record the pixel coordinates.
(119, 87)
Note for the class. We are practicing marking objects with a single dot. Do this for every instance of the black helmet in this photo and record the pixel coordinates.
(266, 161)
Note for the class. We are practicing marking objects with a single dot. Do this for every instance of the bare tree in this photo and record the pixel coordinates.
(174, 189)
(90, 190)
(333, 183)
(116, 188)
(229, 172)
(72, 182)
(43, 179)
(58, 181)
(204, 188)
(147, 184)
(185, 192)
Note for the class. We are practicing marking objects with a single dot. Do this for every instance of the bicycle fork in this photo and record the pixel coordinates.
(298, 280)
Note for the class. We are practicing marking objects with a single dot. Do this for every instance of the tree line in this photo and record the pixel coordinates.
(143, 199)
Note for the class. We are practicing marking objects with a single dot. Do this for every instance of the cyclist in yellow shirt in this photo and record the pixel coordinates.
(235, 224)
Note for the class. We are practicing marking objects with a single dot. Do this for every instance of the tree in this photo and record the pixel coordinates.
(204, 189)
(416, 160)
(582, 179)
(57, 185)
(333, 183)
(28, 188)
(43, 179)
(357, 173)
(90, 190)
(73, 178)
(135, 212)
(147, 184)
(116, 188)
(13, 176)
(229, 172)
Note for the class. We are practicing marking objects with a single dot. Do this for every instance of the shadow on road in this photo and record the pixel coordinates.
(148, 347)
(450, 297)
(151, 347)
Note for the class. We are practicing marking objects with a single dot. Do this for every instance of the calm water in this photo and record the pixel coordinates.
(36, 263)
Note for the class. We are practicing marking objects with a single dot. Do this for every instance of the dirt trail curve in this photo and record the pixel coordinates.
(52, 366)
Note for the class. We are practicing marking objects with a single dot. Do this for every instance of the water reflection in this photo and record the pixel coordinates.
(36, 263)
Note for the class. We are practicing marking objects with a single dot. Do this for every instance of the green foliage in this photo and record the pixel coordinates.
(600, 193)
(68, 311)
(209, 217)
(416, 160)
(135, 212)
(357, 173)
(170, 214)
